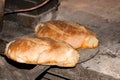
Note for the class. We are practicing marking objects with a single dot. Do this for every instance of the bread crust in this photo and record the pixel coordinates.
(43, 51)
(76, 35)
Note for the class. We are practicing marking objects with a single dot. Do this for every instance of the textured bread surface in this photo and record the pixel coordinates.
(76, 35)
(43, 51)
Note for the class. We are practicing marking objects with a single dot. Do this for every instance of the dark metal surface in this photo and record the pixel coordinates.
(10, 70)
(2, 3)
(2, 46)
(26, 9)
(32, 17)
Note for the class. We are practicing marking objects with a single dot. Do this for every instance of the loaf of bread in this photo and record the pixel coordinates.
(76, 35)
(43, 51)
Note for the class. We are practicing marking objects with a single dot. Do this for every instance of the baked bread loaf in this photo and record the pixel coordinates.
(43, 51)
(76, 35)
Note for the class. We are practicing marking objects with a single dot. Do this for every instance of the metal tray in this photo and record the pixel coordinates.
(87, 54)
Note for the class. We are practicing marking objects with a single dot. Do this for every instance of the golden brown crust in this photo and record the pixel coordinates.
(76, 35)
(42, 51)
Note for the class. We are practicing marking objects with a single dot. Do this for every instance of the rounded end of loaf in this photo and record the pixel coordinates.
(37, 27)
(7, 50)
(73, 58)
(90, 42)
